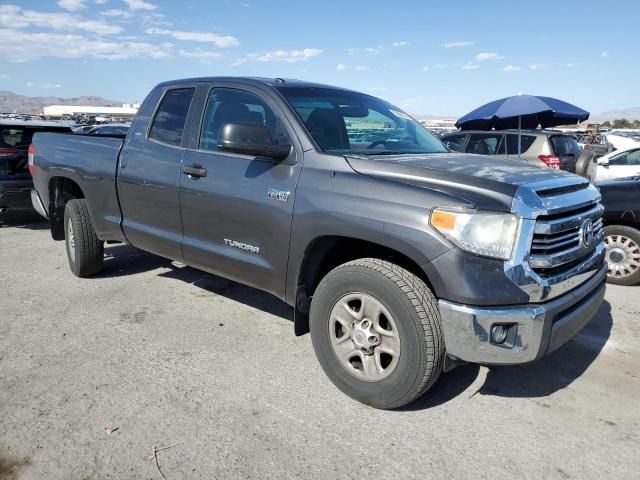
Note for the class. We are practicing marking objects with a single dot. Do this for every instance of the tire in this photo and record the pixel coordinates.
(585, 165)
(85, 251)
(623, 254)
(381, 289)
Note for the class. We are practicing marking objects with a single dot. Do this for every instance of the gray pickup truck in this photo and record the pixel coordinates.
(401, 258)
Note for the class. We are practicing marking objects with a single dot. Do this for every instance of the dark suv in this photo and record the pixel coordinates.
(15, 179)
(543, 148)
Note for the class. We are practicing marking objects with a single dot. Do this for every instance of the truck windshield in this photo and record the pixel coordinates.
(343, 122)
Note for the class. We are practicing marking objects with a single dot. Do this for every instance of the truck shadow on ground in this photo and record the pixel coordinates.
(27, 220)
(534, 380)
(122, 260)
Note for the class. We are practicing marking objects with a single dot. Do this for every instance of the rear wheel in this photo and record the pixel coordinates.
(623, 254)
(376, 331)
(85, 251)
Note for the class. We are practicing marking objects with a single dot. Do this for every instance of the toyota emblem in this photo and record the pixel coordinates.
(586, 233)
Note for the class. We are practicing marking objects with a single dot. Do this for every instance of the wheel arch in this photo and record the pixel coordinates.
(325, 253)
(61, 190)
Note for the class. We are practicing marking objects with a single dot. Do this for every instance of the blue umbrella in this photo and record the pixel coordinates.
(522, 111)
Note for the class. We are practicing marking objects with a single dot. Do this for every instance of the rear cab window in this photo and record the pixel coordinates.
(171, 116)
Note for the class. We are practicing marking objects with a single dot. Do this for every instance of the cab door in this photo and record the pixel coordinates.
(237, 209)
(149, 175)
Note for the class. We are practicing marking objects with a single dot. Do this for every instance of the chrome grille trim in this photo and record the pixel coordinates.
(547, 246)
(549, 258)
(547, 227)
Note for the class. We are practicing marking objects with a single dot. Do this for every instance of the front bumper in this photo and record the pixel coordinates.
(533, 330)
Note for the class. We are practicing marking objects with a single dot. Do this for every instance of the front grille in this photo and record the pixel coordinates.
(558, 241)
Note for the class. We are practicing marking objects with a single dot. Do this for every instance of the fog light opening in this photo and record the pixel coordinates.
(499, 334)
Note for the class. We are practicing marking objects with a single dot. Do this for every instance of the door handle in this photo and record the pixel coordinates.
(195, 170)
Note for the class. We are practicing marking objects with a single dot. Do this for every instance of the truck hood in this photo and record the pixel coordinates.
(486, 182)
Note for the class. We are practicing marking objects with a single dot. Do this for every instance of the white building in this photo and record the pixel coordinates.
(127, 109)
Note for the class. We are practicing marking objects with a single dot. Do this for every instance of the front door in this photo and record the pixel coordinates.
(149, 176)
(237, 209)
(625, 164)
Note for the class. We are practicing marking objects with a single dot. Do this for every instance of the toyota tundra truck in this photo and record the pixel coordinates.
(403, 259)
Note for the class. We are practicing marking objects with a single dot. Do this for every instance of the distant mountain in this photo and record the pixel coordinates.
(10, 102)
(628, 113)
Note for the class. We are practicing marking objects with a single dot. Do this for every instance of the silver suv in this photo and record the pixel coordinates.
(543, 148)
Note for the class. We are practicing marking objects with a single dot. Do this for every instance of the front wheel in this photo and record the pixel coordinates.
(85, 251)
(623, 254)
(376, 331)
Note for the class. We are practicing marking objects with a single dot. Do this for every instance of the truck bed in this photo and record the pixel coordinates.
(91, 162)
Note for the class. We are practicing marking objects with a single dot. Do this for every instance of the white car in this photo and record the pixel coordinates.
(619, 164)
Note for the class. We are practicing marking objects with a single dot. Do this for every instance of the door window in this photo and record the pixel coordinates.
(168, 124)
(454, 142)
(230, 105)
(525, 143)
(486, 144)
(631, 157)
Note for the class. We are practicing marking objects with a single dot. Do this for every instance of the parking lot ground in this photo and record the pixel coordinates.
(94, 373)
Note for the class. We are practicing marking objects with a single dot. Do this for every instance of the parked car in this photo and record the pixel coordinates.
(543, 148)
(619, 164)
(15, 179)
(621, 200)
(109, 129)
(401, 258)
(82, 128)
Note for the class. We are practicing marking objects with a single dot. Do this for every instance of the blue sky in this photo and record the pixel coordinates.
(441, 58)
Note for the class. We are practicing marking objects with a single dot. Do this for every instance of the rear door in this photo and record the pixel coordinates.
(149, 176)
(237, 213)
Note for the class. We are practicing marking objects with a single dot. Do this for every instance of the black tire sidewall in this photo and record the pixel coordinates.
(402, 383)
(71, 213)
(633, 234)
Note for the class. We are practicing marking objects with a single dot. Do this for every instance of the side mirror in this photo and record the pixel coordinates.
(251, 140)
(603, 161)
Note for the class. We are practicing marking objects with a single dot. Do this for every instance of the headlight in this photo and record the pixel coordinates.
(491, 234)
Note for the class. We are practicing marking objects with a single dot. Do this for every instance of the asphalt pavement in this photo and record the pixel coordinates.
(97, 373)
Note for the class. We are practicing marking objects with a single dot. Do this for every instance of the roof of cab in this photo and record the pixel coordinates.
(272, 82)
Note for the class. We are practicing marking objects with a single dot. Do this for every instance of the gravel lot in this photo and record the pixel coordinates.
(95, 373)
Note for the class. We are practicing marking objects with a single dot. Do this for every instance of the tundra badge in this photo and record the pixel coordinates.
(281, 195)
(242, 246)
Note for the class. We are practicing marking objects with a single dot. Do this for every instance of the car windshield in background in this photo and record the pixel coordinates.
(565, 145)
(343, 122)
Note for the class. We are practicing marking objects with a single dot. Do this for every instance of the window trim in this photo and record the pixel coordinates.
(148, 136)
